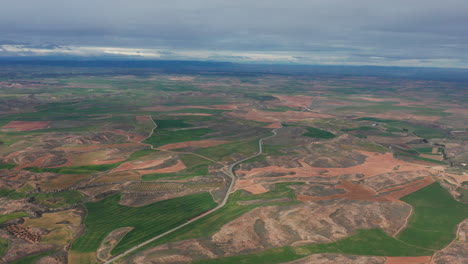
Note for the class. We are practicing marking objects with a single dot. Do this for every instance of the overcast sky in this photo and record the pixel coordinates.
(372, 32)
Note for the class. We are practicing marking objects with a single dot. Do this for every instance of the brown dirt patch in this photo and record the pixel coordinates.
(131, 136)
(391, 140)
(199, 143)
(36, 163)
(410, 104)
(361, 192)
(408, 260)
(398, 192)
(27, 125)
(182, 78)
(100, 162)
(462, 111)
(66, 164)
(270, 116)
(93, 147)
(435, 150)
(143, 118)
(273, 125)
(295, 101)
(375, 164)
(174, 168)
(61, 182)
(434, 157)
(250, 186)
(138, 165)
(373, 99)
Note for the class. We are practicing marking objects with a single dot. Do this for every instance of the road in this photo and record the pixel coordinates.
(231, 175)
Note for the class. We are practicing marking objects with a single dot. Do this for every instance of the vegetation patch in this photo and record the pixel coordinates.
(76, 170)
(8, 217)
(435, 217)
(32, 259)
(224, 151)
(164, 137)
(417, 158)
(148, 221)
(171, 123)
(318, 133)
(7, 166)
(3, 246)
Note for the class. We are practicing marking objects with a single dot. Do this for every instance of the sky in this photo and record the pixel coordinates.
(332, 32)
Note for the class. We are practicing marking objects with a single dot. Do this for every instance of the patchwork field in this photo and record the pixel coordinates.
(156, 165)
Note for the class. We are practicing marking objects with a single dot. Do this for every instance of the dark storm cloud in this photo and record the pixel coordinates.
(345, 29)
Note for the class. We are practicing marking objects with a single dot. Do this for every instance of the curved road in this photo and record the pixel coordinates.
(233, 177)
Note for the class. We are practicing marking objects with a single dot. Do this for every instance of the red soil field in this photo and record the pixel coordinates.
(93, 147)
(174, 168)
(36, 163)
(200, 143)
(362, 192)
(374, 164)
(100, 162)
(270, 116)
(408, 260)
(273, 125)
(27, 125)
(295, 101)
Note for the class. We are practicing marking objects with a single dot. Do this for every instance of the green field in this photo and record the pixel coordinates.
(209, 225)
(76, 170)
(162, 137)
(224, 151)
(7, 166)
(3, 246)
(318, 133)
(148, 221)
(7, 217)
(171, 123)
(362, 128)
(435, 217)
(413, 157)
(31, 259)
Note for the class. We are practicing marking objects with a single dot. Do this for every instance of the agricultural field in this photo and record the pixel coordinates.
(231, 165)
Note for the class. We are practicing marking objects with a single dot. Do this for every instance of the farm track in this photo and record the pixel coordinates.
(231, 175)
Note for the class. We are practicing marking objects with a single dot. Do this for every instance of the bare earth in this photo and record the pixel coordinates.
(27, 125)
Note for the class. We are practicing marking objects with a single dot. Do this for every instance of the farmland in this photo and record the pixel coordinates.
(95, 161)
(147, 221)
